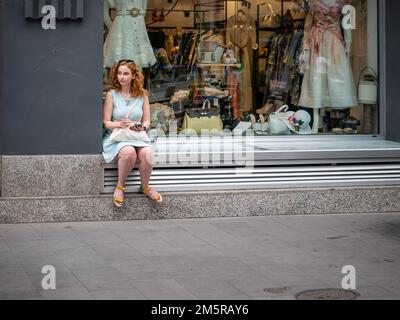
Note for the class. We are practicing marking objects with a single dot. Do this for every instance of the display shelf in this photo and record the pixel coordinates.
(202, 65)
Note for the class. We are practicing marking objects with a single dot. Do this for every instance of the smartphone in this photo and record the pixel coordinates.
(137, 125)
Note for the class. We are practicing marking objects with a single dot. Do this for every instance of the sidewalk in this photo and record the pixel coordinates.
(222, 258)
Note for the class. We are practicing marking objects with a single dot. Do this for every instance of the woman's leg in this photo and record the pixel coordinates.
(126, 160)
(145, 156)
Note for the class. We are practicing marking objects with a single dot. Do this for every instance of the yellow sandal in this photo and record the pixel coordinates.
(118, 202)
(146, 191)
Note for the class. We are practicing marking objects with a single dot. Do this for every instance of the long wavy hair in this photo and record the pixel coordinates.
(137, 89)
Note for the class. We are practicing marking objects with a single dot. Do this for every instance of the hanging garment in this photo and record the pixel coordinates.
(359, 50)
(282, 75)
(127, 35)
(328, 82)
(241, 33)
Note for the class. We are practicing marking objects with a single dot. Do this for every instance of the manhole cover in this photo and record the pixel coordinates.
(327, 294)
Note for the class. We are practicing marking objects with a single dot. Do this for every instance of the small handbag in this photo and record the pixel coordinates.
(272, 19)
(202, 120)
(126, 134)
(368, 86)
(275, 124)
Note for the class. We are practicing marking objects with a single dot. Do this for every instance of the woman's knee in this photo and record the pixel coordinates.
(127, 153)
(146, 156)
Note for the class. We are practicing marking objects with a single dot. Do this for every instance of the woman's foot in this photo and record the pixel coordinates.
(119, 196)
(151, 193)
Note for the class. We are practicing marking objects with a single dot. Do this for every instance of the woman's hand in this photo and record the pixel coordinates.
(124, 123)
(137, 128)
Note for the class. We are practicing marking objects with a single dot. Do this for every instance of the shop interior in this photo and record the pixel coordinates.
(275, 67)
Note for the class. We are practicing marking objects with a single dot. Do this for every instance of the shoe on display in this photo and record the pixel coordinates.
(337, 130)
(350, 123)
(266, 109)
(349, 130)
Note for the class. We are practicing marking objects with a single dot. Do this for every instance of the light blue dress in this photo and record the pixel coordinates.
(121, 107)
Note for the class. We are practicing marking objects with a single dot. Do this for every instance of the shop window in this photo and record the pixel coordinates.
(282, 67)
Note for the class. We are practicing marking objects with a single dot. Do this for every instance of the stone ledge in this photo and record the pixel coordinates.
(50, 175)
(202, 205)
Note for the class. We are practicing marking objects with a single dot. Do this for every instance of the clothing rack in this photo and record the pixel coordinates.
(279, 28)
(219, 5)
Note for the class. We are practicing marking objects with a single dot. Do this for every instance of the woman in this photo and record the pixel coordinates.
(128, 95)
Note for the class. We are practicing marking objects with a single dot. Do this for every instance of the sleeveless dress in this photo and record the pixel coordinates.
(329, 81)
(127, 36)
(121, 107)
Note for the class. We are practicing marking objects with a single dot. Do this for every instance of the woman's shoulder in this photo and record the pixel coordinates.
(110, 95)
(142, 96)
(112, 92)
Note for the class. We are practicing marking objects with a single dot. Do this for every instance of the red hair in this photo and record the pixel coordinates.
(137, 89)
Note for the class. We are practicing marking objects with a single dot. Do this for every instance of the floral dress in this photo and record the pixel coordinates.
(328, 82)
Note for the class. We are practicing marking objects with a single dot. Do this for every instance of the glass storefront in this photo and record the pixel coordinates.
(276, 67)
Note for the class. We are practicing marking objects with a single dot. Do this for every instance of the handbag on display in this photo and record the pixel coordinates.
(272, 19)
(198, 120)
(368, 86)
(126, 134)
(275, 123)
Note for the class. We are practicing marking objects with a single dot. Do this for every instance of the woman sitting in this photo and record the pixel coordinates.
(128, 98)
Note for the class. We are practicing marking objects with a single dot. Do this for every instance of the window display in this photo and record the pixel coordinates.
(285, 67)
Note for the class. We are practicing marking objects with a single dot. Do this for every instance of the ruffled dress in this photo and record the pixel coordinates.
(329, 80)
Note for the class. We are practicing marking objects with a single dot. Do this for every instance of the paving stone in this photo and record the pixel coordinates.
(14, 278)
(54, 230)
(18, 232)
(81, 258)
(118, 250)
(162, 289)
(220, 258)
(3, 246)
(66, 294)
(120, 294)
(100, 279)
(211, 287)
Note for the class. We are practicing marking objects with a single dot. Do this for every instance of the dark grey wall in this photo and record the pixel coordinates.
(51, 83)
(392, 56)
(1, 81)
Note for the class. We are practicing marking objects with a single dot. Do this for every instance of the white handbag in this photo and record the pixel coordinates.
(126, 134)
(368, 86)
(275, 124)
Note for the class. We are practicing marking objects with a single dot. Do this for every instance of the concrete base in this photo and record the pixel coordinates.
(202, 204)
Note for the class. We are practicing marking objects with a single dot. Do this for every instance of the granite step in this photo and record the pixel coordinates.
(204, 204)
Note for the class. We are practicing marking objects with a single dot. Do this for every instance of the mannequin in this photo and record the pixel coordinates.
(241, 36)
(127, 35)
(328, 77)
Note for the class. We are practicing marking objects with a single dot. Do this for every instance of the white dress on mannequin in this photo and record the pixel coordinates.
(127, 36)
(328, 82)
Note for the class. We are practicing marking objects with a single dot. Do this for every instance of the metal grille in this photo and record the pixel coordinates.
(260, 177)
